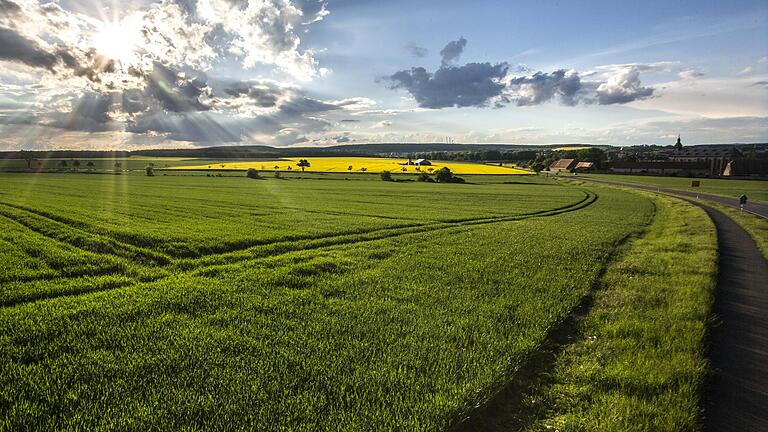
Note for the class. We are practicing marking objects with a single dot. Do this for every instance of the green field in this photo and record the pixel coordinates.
(315, 303)
(756, 190)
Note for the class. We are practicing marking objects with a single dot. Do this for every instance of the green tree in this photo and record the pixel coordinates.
(90, 165)
(252, 173)
(303, 163)
(150, 170)
(386, 176)
(76, 164)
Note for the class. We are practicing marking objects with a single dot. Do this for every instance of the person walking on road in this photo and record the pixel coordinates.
(742, 201)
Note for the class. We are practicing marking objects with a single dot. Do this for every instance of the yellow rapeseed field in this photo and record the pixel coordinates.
(357, 164)
(574, 148)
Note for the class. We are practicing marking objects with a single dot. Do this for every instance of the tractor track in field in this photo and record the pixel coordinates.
(326, 242)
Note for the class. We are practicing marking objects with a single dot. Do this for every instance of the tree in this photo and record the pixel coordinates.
(150, 170)
(445, 175)
(277, 174)
(118, 166)
(349, 168)
(538, 167)
(28, 157)
(363, 169)
(386, 176)
(252, 173)
(303, 163)
(76, 164)
(90, 165)
(276, 167)
(62, 163)
(404, 169)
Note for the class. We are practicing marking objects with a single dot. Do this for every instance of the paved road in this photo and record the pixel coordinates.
(758, 209)
(737, 395)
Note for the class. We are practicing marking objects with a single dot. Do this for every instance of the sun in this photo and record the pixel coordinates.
(118, 41)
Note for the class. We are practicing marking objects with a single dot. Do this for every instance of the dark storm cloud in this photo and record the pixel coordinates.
(473, 84)
(15, 47)
(542, 87)
(416, 51)
(452, 51)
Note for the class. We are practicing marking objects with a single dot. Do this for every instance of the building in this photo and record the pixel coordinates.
(563, 165)
(715, 157)
(661, 167)
(422, 162)
(584, 166)
(746, 167)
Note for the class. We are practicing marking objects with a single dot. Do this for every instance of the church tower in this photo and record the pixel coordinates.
(678, 144)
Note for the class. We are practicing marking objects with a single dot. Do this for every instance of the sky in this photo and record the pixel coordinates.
(134, 74)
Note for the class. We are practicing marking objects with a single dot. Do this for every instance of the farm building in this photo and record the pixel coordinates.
(563, 165)
(746, 167)
(661, 167)
(419, 162)
(716, 158)
(584, 166)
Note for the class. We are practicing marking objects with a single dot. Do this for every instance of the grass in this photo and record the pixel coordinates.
(197, 303)
(756, 190)
(358, 164)
(638, 362)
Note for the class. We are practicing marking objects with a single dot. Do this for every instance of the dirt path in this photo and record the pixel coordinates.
(737, 395)
(754, 208)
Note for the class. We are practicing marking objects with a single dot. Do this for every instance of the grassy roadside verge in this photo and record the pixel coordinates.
(638, 361)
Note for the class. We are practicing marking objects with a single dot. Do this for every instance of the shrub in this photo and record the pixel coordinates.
(424, 177)
(277, 174)
(252, 173)
(386, 176)
(150, 171)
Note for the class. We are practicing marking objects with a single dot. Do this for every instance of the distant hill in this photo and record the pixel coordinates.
(259, 151)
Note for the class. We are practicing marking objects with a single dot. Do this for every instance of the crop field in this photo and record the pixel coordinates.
(225, 303)
(756, 190)
(355, 165)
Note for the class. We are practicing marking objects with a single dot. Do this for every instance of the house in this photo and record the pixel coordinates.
(661, 167)
(422, 162)
(584, 166)
(563, 165)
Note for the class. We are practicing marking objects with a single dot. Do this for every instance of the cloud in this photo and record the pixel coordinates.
(473, 84)
(416, 51)
(8, 7)
(542, 87)
(452, 51)
(760, 84)
(383, 124)
(15, 47)
(746, 71)
(622, 87)
(690, 74)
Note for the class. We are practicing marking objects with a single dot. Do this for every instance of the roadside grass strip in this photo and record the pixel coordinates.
(638, 362)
